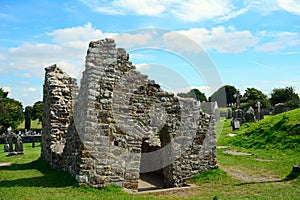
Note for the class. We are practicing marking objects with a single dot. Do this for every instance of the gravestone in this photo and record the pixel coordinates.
(10, 140)
(6, 145)
(238, 114)
(19, 145)
(228, 113)
(250, 115)
(11, 151)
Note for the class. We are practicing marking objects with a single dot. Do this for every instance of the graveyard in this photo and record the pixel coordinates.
(263, 173)
(119, 135)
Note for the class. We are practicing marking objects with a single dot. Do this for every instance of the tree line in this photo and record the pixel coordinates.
(12, 113)
(226, 97)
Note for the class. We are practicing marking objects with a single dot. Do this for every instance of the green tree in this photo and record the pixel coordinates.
(28, 115)
(37, 111)
(193, 93)
(11, 111)
(287, 96)
(3, 94)
(252, 96)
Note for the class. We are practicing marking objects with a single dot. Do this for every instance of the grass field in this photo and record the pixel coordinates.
(265, 174)
(35, 124)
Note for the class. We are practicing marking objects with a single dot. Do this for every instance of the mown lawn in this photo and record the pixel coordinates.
(265, 174)
(35, 124)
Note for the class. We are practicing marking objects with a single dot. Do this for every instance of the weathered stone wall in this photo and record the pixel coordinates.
(123, 124)
(59, 93)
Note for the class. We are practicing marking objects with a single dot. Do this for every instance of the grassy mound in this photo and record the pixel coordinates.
(276, 132)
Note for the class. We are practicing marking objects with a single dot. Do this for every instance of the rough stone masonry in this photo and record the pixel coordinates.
(120, 124)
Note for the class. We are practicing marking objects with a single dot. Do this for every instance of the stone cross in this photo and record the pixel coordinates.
(258, 104)
(10, 140)
(19, 145)
(237, 96)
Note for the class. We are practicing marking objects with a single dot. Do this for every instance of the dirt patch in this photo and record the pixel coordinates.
(243, 176)
(153, 183)
(222, 147)
(263, 160)
(5, 164)
(236, 153)
(231, 134)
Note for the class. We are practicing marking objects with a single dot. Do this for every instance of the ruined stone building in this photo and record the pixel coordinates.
(120, 124)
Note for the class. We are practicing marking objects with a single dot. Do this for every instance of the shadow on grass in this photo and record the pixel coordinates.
(291, 176)
(50, 178)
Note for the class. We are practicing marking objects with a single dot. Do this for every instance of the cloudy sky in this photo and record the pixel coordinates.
(246, 43)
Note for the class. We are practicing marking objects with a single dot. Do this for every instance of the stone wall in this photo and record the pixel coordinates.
(58, 96)
(122, 124)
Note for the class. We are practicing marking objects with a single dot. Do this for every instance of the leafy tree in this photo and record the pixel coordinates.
(37, 111)
(193, 93)
(225, 93)
(3, 94)
(252, 96)
(28, 114)
(287, 96)
(11, 111)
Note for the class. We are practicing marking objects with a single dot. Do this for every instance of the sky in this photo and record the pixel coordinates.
(179, 44)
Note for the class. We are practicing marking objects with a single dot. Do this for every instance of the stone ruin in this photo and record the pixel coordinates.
(120, 124)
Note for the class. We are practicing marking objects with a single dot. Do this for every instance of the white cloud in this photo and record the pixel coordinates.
(26, 75)
(69, 67)
(290, 83)
(141, 56)
(292, 6)
(277, 45)
(6, 89)
(31, 89)
(131, 40)
(221, 39)
(142, 66)
(121, 7)
(181, 42)
(190, 10)
(266, 7)
(69, 49)
(108, 11)
(195, 10)
(234, 13)
(277, 40)
(2, 57)
(204, 88)
(145, 7)
(83, 33)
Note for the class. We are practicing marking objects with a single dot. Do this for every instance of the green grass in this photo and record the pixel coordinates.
(35, 124)
(30, 177)
(276, 132)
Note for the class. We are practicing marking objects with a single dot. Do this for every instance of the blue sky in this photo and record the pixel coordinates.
(251, 43)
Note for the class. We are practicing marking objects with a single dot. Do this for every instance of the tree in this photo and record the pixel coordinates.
(224, 96)
(3, 94)
(287, 96)
(252, 96)
(11, 111)
(37, 111)
(28, 114)
(193, 93)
